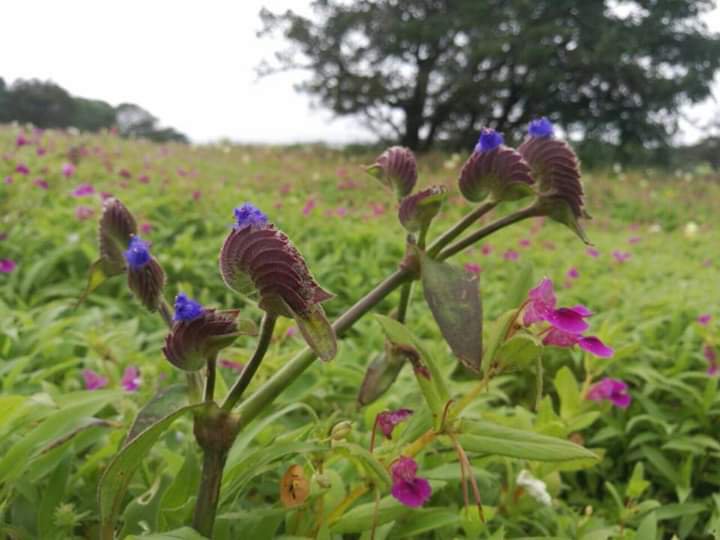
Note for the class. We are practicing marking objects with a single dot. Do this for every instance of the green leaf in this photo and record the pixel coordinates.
(97, 275)
(648, 528)
(119, 472)
(366, 460)
(519, 351)
(520, 286)
(380, 375)
(425, 520)
(498, 333)
(493, 439)
(637, 484)
(454, 299)
(663, 465)
(318, 332)
(362, 516)
(567, 388)
(185, 533)
(163, 403)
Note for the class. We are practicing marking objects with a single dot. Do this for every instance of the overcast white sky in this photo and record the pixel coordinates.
(190, 63)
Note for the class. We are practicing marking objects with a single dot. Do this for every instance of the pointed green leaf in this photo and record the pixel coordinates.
(165, 402)
(185, 533)
(454, 299)
(318, 332)
(519, 351)
(119, 472)
(97, 275)
(366, 460)
(379, 376)
(494, 439)
(497, 335)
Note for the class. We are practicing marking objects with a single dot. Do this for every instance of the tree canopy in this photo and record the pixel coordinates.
(429, 71)
(47, 105)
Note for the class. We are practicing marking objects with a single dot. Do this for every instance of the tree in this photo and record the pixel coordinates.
(134, 121)
(424, 71)
(93, 114)
(43, 104)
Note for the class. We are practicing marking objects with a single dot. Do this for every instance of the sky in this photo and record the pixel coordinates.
(190, 63)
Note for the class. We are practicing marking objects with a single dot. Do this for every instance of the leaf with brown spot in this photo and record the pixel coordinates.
(294, 487)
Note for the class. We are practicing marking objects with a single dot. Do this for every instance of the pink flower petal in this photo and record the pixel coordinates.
(568, 320)
(594, 346)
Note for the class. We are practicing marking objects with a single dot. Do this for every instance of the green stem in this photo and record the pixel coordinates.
(490, 228)
(266, 331)
(405, 294)
(282, 378)
(209, 491)
(456, 230)
(210, 380)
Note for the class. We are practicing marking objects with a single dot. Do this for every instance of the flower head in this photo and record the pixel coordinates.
(541, 307)
(418, 210)
(473, 268)
(83, 190)
(7, 266)
(41, 183)
(21, 140)
(591, 344)
(621, 256)
(489, 140)
(138, 253)
(396, 168)
(711, 356)
(93, 381)
(68, 169)
(387, 420)
(83, 212)
(131, 379)
(542, 127)
(186, 309)
(613, 390)
(704, 319)
(21, 168)
(249, 215)
(408, 488)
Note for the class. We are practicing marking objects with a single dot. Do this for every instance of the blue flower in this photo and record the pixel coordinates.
(542, 127)
(138, 254)
(186, 309)
(489, 140)
(249, 214)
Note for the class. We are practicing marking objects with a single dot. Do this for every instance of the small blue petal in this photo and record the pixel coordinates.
(186, 309)
(138, 254)
(542, 127)
(489, 140)
(249, 214)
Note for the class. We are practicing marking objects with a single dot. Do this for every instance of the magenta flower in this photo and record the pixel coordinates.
(83, 212)
(473, 268)
(591, 344)
(524, 242)
(21, 168)
(511, 255)
(131, 379)
(8, 179)
(573, 273)
(711, 356)
(486, 249)
(613, 390)
(93, 381)
(125, 173)
(621, 256)
(7, 266)
(387, 420)
(144, 179)
(232, 364)
(41, 183)
(541, 307)
(291, 331)
(145, 228)
(408, 488)
(634, 240)
(704, 319)
(341, 212)
(21, 140)
(68, 170)
(592, 252)
(310, 205)
(83, 190)
(196, 195)
(41, 151)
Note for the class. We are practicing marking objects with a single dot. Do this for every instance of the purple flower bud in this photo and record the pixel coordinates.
(496, 171)
(191, 343)
(407, 487)
(7, 266)
(489, 140)
(542, 127)
(396, 169)
(418, 210)
(249, 215)
(387, 420)
(93, 381)
(613, 390)
(83, 190)
(146, 278)
(131, 379)
(186, 309)
(115, 230)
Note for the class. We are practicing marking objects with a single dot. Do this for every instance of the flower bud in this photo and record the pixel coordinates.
(418, 210)
(557, 170)
(117, 225)
(146, 278)
(494, 170)
(341, 430)
(191, 342)
(260, 261)
(396, 169)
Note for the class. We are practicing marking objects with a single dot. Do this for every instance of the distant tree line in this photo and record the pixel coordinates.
(47, 105)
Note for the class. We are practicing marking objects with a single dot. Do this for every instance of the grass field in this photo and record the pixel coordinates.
(651, 272)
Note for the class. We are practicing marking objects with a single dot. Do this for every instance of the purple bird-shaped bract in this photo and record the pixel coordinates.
(500, 172)
(396, 168)
(418, 210)
(116, 227)
(262, 260)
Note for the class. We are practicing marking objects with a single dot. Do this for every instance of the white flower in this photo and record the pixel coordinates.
(655, 228)
(691, 229)
(534, 487)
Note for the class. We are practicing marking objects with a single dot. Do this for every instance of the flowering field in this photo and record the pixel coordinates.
(602, 422)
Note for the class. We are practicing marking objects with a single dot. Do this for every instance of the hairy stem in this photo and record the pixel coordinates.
(210, 380)
(266, 331)
(282, 378)
(490, 228)
(209, 491)
(456, 230)
(405, 294)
